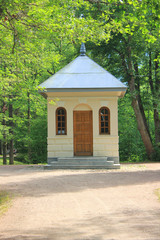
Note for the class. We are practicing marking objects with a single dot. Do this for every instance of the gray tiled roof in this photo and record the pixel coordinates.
(83, 73)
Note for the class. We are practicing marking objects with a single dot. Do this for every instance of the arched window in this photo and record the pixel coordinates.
(61, 121)
(104, 120)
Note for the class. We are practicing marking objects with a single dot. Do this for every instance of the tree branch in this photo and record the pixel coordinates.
(50, 72)
(122, 56)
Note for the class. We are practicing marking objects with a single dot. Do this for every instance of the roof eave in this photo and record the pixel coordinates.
(118, 89)
(121, 90)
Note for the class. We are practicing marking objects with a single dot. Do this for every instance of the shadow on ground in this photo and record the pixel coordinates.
(111, 227)
(42, 185)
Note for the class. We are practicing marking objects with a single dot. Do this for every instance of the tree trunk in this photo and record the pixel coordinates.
(4, 152)
(154, 90)
(1, 148)
(142, 127)
(11, 155)
(156, 124)
(4, 143)
(141, 123)
(29, 128)
(156, 99)
(137, 87)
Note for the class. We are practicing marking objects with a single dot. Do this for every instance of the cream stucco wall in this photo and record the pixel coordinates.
(103, 145)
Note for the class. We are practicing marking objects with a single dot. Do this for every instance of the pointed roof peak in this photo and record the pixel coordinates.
(82, 50)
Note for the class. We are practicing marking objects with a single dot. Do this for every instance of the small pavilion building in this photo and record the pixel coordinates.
(83, 124)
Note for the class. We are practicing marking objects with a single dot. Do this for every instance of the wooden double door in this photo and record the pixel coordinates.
(83, 133)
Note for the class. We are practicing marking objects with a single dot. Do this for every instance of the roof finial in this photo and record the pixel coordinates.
(82, 50)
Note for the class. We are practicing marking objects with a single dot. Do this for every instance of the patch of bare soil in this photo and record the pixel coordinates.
(81, 204)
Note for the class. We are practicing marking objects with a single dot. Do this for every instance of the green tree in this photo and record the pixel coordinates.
(131, 28)
(34, 45)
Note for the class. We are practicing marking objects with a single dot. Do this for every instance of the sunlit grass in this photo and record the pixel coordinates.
(5, 202)
(15, 162)
(133, 166)
(157, 192)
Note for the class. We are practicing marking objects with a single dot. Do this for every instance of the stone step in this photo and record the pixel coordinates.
(83, 158)
(50, 167)
(84, 163)
(81, 163)
(79, 160)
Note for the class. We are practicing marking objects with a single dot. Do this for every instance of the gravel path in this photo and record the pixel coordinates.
(81, 204)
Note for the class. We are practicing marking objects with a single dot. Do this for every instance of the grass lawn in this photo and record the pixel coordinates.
(5, 201)
(158, 193)
(15, 162)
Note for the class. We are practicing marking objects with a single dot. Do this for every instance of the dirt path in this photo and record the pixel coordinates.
(81, 204)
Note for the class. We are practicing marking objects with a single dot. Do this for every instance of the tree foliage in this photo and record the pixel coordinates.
(133, 30)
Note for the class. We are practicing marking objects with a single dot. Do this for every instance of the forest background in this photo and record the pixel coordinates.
(39, 37)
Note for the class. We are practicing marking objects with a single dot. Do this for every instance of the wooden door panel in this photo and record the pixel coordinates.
(79, 148)
(83, 133)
